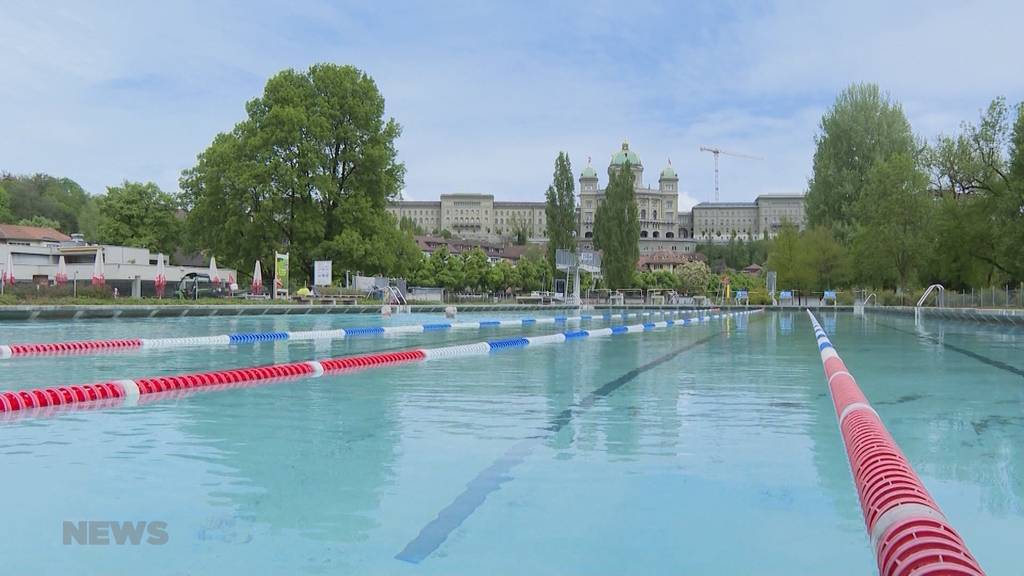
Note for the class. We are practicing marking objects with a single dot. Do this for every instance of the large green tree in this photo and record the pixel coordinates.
(891, 238)
(560, 209)
(137, 214)
(863, 128)
(617, 229)
(980, 224)
(312, 167)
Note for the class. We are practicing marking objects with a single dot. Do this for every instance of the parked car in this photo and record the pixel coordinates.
(195, 281)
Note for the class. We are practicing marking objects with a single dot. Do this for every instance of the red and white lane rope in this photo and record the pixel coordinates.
(131, 390)
(84, 347)
(910, 535)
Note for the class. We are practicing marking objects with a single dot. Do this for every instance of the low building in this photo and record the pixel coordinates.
(666, 260)
(495, 252)
(35, 254)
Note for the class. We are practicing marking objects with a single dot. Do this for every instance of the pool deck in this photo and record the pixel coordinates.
(1005, 316)
(125, 311)
(112, 311)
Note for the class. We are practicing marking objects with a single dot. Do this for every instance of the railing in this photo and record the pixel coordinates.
(858, 307)
(939, 296)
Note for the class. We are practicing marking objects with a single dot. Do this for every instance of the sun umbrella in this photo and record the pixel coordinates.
(62, 272)
(8, 278)
(160, 282)
(97, 269)
(257, 279)
(214, 275)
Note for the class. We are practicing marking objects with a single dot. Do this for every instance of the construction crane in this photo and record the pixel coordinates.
(716, 151)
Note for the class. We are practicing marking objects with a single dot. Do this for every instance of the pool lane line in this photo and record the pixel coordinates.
(86, 347)
(131, 390)
(960, 350)
(909, 533)
(490, 479)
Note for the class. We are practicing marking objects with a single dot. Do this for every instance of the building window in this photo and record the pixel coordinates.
(654, 234)
(643, 233)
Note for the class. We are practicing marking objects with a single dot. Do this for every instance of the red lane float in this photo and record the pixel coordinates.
(80, 346)
(63, 395)
(909, 533)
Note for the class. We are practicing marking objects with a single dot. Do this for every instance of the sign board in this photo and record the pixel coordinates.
(322, 273)
(280, 274)
(590, 261)
(786, 295)
(830, 295)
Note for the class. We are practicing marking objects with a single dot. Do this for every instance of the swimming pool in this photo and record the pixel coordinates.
(701, 449)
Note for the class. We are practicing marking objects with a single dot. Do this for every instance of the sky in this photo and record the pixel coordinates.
(488, 93)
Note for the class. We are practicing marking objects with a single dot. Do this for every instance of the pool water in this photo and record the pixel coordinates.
(700, 449)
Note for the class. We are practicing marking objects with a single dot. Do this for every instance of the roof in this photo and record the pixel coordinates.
(667, 257)
(712, 205)
(669, 173)
(15, 232)
(589, 172)
(624, 155)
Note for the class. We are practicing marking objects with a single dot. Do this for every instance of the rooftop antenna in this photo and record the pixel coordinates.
(716, 151)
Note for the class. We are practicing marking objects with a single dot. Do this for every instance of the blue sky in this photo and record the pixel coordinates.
(488, 93)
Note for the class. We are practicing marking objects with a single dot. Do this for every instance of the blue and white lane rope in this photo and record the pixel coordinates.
(128, 392)
(100, 346)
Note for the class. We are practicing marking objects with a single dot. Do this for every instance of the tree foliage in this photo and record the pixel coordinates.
(40, 222)
(57, 199)
(694, 277)
(617, 229)
(560, 209)
(863, 127)
(309, 171)
(137, 214)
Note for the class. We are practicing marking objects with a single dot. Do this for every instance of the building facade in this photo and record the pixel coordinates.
(762, 218)
(475, 217)
(663, 226)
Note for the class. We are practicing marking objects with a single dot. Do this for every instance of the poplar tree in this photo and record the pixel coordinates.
(617, 229)
(560, 209)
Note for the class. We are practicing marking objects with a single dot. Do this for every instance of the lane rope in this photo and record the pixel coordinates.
(84, 347)
(909, 533)
(14, 401)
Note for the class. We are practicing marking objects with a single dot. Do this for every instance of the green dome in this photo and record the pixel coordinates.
(669, 173)
(589, 172)
(620, 157)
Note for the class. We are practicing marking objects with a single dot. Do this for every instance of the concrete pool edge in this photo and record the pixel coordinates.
(977, 315)
(114, 311)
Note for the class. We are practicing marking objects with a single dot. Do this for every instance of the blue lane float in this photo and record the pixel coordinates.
(128, 392)
(100, 346)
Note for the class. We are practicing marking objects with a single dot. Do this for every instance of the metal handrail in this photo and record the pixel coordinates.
(940, 298)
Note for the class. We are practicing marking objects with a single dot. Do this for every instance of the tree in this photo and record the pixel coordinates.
(980, 170)
(694, 277)
(137, 214)
(409, 225)
(310, 169)
(891, 236)
(475, 267)
(785, 258)
(560, 209)
(617, 229)
(5, 205)
(823, 258)
(40, 222)
(863, 128)
(60, 199)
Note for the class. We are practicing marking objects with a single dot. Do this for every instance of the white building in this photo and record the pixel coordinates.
(762, 218)
(35, 254)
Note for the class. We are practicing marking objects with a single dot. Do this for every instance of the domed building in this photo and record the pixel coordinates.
(660, 228)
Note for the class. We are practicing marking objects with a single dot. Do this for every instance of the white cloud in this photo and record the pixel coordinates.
(488, 94)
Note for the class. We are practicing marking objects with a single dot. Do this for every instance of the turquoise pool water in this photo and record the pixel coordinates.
(708, 449)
